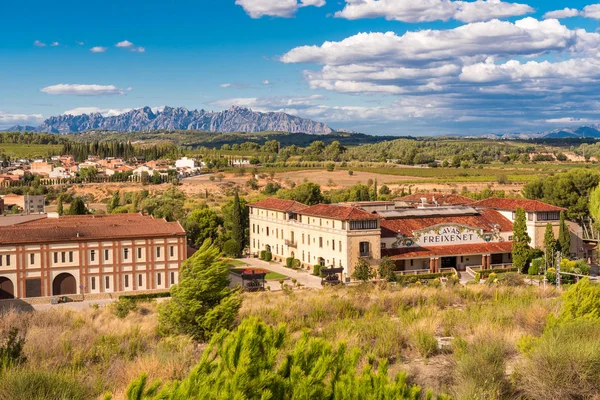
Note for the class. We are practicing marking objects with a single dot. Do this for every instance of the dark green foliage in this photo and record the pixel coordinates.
(564, 237)
(122, 307)
(202, 224)
(237, 224)
(570, 190)
(11, 349)
(363, 271)
(77, 207)
(115, 201)
(307, 193)
(202, 303)
(521, 239)
(317, 269)
(145, 296)
(289, 262)
(60, 209)
(169, 205)
(231, 248)
(254, 362)
(549, 244)
(268, 256)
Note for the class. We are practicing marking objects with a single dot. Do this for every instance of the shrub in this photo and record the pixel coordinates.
(262, 254)
(296, 264)
(19, 384)
(317, 270)
(268, 256)
(363, 271)
(478, 277)
(422, 278)
(11, 349)
(289, 262)
(350, 172)
(231, 248)
(330, 167)
(122, 307)
(551, 275)
(486, 272)
(536, 266)
(426, 343)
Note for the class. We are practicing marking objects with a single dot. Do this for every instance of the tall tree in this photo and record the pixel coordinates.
(549, 244)
(374, 193)
(564, 237)
(77, 207)
(60, 209)
(521, 239)
(202, 303)
(203, 223)
(115, 201)
(237, 226)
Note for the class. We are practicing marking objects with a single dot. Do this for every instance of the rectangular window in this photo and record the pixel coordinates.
(253, 228)
(70, 256)
(139, 252)
(32, 259)
(125, 254)
(92, 255)
(0, 261)
(158, 279)
(267, 231)
(365, 249)
(55, 257)
(172, 250)
(140, 280)
(8, 260)
(333, 244)
(63, 257)
(126, 281)
(172, 278)
(158, 252)
(321, 242)
(105, 254)
(93, 283)
(340, 246)
(107, 282)
(366, 224)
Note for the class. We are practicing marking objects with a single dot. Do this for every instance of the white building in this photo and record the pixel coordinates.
(185, 162)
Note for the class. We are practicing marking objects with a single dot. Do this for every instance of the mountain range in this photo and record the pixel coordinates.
(588, 132)
(235, 119)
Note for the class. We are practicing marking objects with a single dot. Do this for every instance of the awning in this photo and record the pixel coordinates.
(445, 251)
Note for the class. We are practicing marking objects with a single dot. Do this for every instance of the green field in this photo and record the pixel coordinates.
(270, 276)
(29, 150)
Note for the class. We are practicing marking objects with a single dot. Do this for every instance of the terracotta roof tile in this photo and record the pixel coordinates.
(338, 211)
(454, 250)
(486, 220)
(441, 198)
(279, 205)
(512, 204)
(89, 227)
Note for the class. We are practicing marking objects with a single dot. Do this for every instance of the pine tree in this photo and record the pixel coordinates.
(115, 201)
(564, 237)
(521, 239)
(374, 194)
(237, 228)
(549, 244)
(59, 206)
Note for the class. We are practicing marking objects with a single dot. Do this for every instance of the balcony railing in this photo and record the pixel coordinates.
(291, 243)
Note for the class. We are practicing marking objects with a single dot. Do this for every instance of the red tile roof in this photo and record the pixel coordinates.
(279, 205)
(89, 227)
(486, 220)
(512, 204)
(441, 251)
(338, 211)
(441, 198)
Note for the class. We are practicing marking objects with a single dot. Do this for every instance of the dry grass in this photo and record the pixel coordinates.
(102, 352)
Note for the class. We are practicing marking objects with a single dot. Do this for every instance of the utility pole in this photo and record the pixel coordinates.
(558, 260)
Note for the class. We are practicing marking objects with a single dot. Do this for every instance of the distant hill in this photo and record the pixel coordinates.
(235, 119)
(588, 132)
(21, 128)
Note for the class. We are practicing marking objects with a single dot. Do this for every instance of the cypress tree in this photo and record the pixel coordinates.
(549, 243)
(115, 201)
(59, 206)
(374, 197)
(237, 229)
(77, 207)
(521, 239)
(564, 238)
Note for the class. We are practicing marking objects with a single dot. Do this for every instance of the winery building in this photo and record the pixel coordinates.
(431, 232)
(89, 254)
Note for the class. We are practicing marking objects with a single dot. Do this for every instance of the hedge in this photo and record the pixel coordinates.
(145, 296)
(317, 270)
(422, 277)
(289, 262)
(484, 273)
(268, 256)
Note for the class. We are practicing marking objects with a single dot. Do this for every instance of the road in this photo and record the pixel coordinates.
(302, 276)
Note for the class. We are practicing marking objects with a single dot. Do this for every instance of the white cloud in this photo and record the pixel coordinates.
(564, 13)
(98, 49)
(569, 120)
(139, 49)
(106, 112)
(79, 43)
(54, 44)
(225, 85)
(37, 43)
(276, 8)
(83, 90)
(592, 11)
(432, 10)
(124, 44)
(266, 82)
(7, 119)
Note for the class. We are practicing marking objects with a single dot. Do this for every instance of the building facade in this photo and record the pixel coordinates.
(89, 254)
(329, 235)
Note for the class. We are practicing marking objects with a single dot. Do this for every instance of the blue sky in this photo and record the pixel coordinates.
(443, 67)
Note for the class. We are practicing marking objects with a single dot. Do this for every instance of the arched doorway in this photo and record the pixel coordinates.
(268, 248)
(7, 289)
(321, 261)
(293, 255)
(64, 284)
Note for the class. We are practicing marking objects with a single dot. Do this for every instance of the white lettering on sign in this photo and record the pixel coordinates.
(449, 234)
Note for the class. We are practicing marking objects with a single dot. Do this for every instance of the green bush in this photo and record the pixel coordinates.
(289, 262)
(551, 275)
(262, 254)
(122, 307)
(145, 296)
(268, 256)
(231, 248)
(422, 278)
(296, 264)
(11, 349)
(535, 267)
(478, 277)
(426, 343)
(486, 272)
(317, 270)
